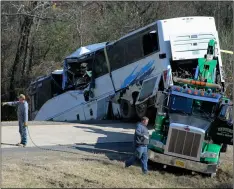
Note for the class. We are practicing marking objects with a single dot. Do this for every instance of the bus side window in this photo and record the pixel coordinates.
(116, 56)
(100, 65)
(150, 42)
(133, 50)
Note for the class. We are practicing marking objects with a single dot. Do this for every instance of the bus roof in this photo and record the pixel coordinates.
(162, 21)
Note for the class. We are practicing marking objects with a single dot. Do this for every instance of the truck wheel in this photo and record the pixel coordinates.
(213, 175)
(218, 162)
(127, 110)
(141, 109)
(224, 148)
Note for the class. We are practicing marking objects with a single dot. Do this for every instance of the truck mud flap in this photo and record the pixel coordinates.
(182, 163)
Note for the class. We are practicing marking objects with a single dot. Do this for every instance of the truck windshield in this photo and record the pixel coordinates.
(189, 106)
(181, 104)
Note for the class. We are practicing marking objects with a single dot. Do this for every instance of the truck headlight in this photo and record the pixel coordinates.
(209, 155)
(157, 143)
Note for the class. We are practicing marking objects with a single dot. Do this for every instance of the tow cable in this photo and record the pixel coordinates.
(47, 149)
(56, 150)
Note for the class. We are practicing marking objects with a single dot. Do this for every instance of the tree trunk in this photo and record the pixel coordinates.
(21, 52)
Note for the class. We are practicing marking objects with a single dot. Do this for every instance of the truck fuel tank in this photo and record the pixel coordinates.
(221, 130)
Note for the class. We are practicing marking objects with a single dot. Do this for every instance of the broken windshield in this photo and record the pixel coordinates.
(79, 73)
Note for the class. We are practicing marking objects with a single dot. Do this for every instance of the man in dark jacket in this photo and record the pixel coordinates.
(22, 114)
(141, 141)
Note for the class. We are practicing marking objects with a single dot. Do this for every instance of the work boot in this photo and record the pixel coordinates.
(19, 144)
(24, 145)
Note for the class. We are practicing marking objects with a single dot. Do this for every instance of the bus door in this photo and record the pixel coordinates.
(101, 87)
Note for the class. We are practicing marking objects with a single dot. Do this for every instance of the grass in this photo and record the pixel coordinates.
(87, 170)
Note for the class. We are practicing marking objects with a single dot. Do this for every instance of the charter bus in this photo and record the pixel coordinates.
(120, 79)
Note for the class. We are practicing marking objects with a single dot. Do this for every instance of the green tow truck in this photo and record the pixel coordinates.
(194, 121)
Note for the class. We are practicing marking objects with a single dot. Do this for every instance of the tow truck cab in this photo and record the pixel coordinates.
(186, 127)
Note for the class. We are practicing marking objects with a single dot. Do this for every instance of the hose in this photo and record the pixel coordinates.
(195, 82)
(47, 149)
(64, 151)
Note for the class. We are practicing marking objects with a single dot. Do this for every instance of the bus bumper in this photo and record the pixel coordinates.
(182, 163)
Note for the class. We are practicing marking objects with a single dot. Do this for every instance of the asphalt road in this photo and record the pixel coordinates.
(115, 147)
(69, 134)
(37, 123)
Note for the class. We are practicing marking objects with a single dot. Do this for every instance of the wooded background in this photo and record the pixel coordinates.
(37, 35)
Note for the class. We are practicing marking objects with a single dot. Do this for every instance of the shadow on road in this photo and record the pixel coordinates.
(112, 124)
(115, 145)
(8, 144)
(119, 151)
(109, 136)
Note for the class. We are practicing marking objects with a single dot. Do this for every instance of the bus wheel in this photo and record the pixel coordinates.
(141, 109)
(127, 110)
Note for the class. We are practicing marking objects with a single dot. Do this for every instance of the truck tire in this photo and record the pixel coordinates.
(213, 175)
(127, 110)
(141, 109)
(224, 148)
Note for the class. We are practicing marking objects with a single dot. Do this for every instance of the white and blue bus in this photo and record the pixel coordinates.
(121, 78)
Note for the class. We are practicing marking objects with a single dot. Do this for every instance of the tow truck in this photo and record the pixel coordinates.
(194, 121)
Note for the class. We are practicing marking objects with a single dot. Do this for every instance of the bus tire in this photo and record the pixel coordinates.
(141, 109)
(127, 110)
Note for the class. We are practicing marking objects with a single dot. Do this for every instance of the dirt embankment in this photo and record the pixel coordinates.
(56, 169)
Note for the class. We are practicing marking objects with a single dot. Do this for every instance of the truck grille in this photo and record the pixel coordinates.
(184, 143)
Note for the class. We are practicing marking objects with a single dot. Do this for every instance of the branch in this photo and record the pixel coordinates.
(24, 14)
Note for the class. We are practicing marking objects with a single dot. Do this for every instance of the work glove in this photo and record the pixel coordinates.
(4, 103)
(25, 124)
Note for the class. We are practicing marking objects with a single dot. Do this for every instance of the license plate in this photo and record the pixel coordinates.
(179, 163)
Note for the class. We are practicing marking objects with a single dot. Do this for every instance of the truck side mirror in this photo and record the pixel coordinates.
(226, 112)
(160, 99)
